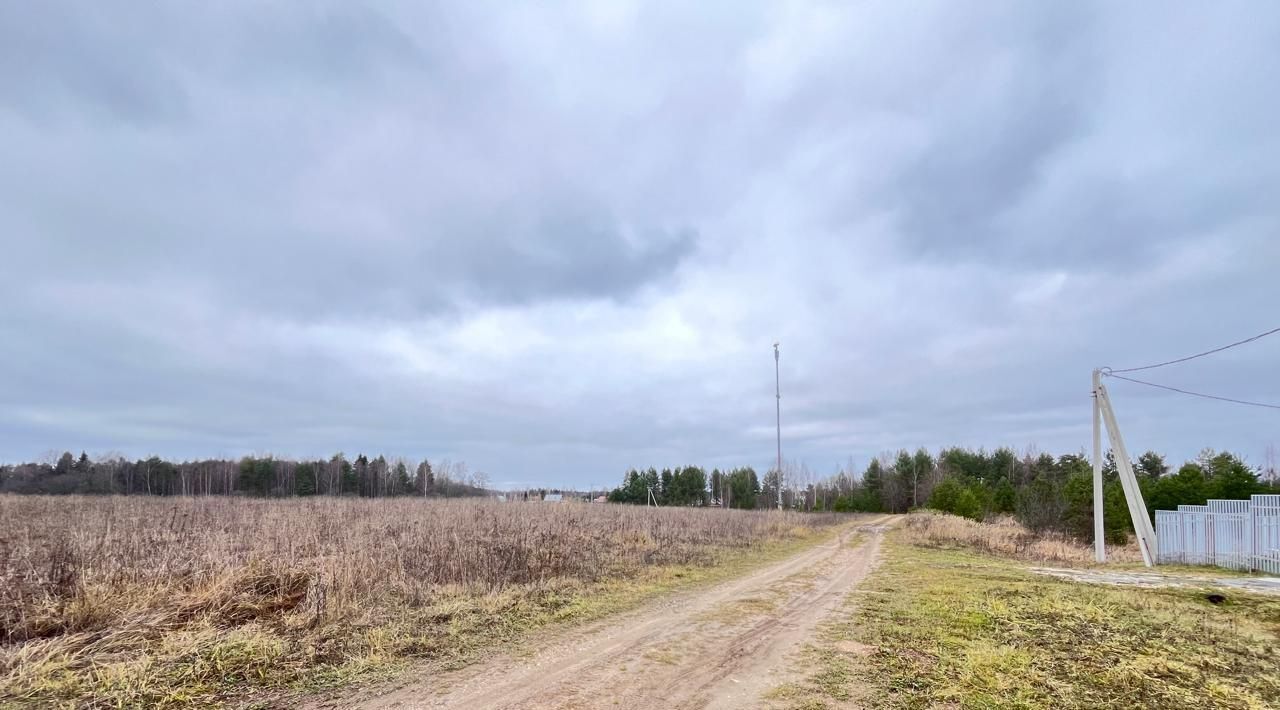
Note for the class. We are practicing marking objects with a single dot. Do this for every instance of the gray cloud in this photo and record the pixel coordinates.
(86, 63)
(559, 243)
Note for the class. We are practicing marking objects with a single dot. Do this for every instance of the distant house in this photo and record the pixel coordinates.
(553, 498)
(601, 499)
(501, 498)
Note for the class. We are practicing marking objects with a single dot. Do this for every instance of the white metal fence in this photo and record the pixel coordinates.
(1236, 534)
(1266, 533)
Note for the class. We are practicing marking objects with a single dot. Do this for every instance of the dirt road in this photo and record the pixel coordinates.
(721, 647)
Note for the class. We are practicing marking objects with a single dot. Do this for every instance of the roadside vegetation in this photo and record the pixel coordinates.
(1045, 493)
(1055, 496)
(146, 601)
(1005, 537)
(1051, 496)
(954, 617)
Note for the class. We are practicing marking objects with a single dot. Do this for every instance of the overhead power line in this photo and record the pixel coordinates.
(1273, 331)
(1193, 394)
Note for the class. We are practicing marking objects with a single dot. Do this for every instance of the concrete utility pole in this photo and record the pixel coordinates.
(777, 384)
(1099, 544)
(1147, 543)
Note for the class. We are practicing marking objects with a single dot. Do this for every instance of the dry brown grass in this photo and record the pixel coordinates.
(1005, 537)
(126, 601)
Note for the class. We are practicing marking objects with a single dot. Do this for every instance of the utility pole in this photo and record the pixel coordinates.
(915, 482)
(1099, 543)
(1132, 492)
(777, 384)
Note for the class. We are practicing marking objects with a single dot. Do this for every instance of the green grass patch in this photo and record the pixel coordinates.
(958, 629)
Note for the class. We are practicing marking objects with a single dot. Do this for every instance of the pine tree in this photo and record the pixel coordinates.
(1151, 466)
(402, 482)
(65, 464)
(363, 486)
(426, 479)
(304, 477)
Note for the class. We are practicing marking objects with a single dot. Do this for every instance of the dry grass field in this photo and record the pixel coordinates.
(1006, 537)
(115, 601)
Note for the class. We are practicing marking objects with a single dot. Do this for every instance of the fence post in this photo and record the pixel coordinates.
(1253, 537)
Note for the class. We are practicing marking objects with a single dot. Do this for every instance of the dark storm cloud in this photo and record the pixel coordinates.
(558, 242)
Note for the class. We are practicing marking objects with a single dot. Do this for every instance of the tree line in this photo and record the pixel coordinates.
(1047, 493)
(1042, 491)
(261, 476)
(740, 488)
(688, 485)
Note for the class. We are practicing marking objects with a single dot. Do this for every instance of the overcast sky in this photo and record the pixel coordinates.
(559, 241)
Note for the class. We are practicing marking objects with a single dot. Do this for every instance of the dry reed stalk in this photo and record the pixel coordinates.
(74, 565)
(1007, 537)
(127, 602)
